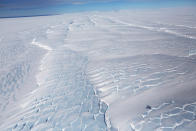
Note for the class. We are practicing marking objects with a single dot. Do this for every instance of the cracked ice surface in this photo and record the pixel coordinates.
(66, 100)
(99, 71)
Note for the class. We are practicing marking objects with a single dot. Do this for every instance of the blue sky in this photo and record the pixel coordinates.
(10, 8)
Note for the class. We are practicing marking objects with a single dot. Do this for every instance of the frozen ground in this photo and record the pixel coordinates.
(124, 70)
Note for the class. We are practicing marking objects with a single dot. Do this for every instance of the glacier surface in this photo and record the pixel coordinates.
(128, 70)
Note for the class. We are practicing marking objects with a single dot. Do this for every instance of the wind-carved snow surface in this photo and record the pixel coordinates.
(96, 72)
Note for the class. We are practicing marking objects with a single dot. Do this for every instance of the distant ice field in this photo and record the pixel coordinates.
(128, 70)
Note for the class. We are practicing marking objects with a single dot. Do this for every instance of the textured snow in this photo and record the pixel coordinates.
(98, 71)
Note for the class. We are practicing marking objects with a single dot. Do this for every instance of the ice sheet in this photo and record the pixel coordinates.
(122, 70)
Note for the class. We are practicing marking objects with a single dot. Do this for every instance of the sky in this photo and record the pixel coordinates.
(12, 8)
